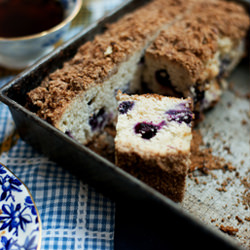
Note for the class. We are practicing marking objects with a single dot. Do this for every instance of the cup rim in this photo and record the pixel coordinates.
(51, 30)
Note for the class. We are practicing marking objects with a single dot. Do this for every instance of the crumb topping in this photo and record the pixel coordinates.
(188, 43)
(194, 40)
(229, 18)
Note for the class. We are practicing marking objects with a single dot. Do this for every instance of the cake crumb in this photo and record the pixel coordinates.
(247, 218)
(229, 230)
(221, 189)
(196, 180)
(239, 219)
(244, 122)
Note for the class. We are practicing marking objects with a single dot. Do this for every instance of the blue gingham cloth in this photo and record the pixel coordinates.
(73, 214)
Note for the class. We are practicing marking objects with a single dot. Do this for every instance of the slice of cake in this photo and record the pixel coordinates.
(153, 140)
(193, 57)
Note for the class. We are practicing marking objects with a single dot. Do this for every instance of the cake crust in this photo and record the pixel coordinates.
(165, 174)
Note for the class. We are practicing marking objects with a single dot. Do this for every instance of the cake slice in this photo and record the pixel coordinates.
(153, 140)
(193, 57)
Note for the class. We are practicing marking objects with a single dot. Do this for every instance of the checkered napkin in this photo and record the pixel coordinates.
(73, 215)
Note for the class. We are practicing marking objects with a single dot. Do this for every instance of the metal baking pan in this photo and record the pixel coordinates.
(88, 166)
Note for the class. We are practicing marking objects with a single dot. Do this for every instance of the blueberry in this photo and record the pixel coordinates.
(148, 129)
(225, 62)
(199, 95)
(68, 133)
(97, 121)
(162, 77)
(180, 116)
(142, 61)
(124, 107)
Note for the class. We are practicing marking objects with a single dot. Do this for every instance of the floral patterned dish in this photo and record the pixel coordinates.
(20, 226)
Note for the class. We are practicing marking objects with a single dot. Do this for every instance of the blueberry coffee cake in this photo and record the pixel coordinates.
(153, 136)
(190, 45)
(193, 56)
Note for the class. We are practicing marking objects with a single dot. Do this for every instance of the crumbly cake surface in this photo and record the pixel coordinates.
(229, 18)
(194, 41)
(96, 60)
(188, 43)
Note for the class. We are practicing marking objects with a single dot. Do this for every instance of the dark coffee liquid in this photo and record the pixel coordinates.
(28, 17)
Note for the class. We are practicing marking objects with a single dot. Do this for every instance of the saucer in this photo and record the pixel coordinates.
(20, 225)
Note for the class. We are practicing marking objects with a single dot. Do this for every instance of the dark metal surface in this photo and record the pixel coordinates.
(135, 196)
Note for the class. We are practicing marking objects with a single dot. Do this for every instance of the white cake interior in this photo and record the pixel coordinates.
(171, 137)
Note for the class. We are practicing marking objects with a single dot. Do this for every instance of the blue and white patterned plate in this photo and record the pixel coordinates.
(20, 226)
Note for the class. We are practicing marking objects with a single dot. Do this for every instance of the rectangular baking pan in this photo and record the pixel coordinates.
(94, 169)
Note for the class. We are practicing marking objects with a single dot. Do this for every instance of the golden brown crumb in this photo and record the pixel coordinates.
(239, 219)
(196, 180)
(229, 230)
(190, 48)
(247, 218)
(228, 17)
(244, 122)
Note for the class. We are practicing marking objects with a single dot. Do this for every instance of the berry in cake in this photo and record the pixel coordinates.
(147, 129)
(125, 106)
(153, 141)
